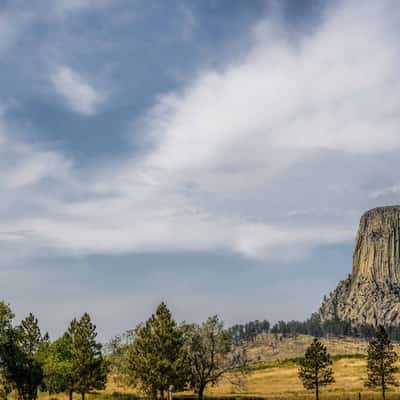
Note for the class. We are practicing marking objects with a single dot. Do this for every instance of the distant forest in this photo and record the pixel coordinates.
(313, 326)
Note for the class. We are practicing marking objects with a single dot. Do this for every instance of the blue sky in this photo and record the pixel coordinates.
(216, 155)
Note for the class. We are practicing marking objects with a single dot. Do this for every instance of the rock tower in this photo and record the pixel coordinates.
(371, 293)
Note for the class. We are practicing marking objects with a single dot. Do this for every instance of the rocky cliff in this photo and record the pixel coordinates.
(371, 293)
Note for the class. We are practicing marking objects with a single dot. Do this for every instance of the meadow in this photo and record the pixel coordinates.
(273, 374)
(274, 367)
(278, 380)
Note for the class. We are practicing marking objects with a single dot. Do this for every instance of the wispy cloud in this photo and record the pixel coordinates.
(66, 7)
(78, 94)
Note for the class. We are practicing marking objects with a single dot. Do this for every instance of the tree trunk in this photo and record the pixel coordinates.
(316, 392)
(383, 384)
(70, 394)
(162, 394)
(83, 395)
(200, 393)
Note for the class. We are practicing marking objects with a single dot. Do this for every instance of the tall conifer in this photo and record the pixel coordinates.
(89, 368)
(157, 356)
(381, 360)
(315, 368)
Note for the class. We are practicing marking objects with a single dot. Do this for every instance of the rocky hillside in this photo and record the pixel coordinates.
(269, 347)
(371, 293)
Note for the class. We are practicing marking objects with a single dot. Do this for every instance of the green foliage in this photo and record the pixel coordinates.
(335, 327)
(20, 356)
(157, 357)
(381, 360)
(315, 368)
(29, 336)
(248, 332)
(211, 354)
(87, 365)
(57, 367)
(6, 317)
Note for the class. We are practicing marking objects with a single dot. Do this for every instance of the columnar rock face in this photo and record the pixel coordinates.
(371, 294)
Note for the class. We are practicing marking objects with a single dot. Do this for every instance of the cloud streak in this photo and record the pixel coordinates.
(78, 94)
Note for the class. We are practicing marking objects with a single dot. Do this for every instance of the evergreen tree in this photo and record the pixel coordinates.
(157, 357)
(381, 360)
(315, 368)
(211, 354)
(88, 367)
(30, 336)
(6, 317)
(20, 355)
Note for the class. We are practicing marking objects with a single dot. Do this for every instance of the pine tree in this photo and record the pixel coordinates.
(381, 360)
(30, 336)
(315, 368)
(89, 368)
(157, 357)
(20, 354)
(6, 317)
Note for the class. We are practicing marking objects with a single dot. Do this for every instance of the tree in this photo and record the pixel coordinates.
(381, 360)
(157, 357)
(57, 367)
(88, 367)
(30, 337)
(315, 367)
(211, 354)
(6, 317)
(30, 342)
(20, 357)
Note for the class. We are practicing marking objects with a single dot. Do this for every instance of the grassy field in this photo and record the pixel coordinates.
(278, 380)
(273, 373)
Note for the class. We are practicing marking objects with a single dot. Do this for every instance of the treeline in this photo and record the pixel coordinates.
(249, 331)
(157, 356)
(29, 361)
(313, 326)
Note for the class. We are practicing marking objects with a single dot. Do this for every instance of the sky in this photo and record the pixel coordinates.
(216, 155)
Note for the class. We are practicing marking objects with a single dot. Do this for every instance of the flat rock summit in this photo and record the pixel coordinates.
(371, 293)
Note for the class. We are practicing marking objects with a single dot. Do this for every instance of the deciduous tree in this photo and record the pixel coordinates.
(57, 367)
(212, 354)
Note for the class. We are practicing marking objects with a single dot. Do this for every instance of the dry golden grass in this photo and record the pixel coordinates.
(272, 378)
(268, 347)
(279, 380)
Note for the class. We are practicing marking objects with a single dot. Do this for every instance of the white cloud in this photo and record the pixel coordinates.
(78, 94)
(335, 90)
(290, 126)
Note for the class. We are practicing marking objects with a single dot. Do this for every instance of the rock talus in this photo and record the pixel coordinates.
(371, 293)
